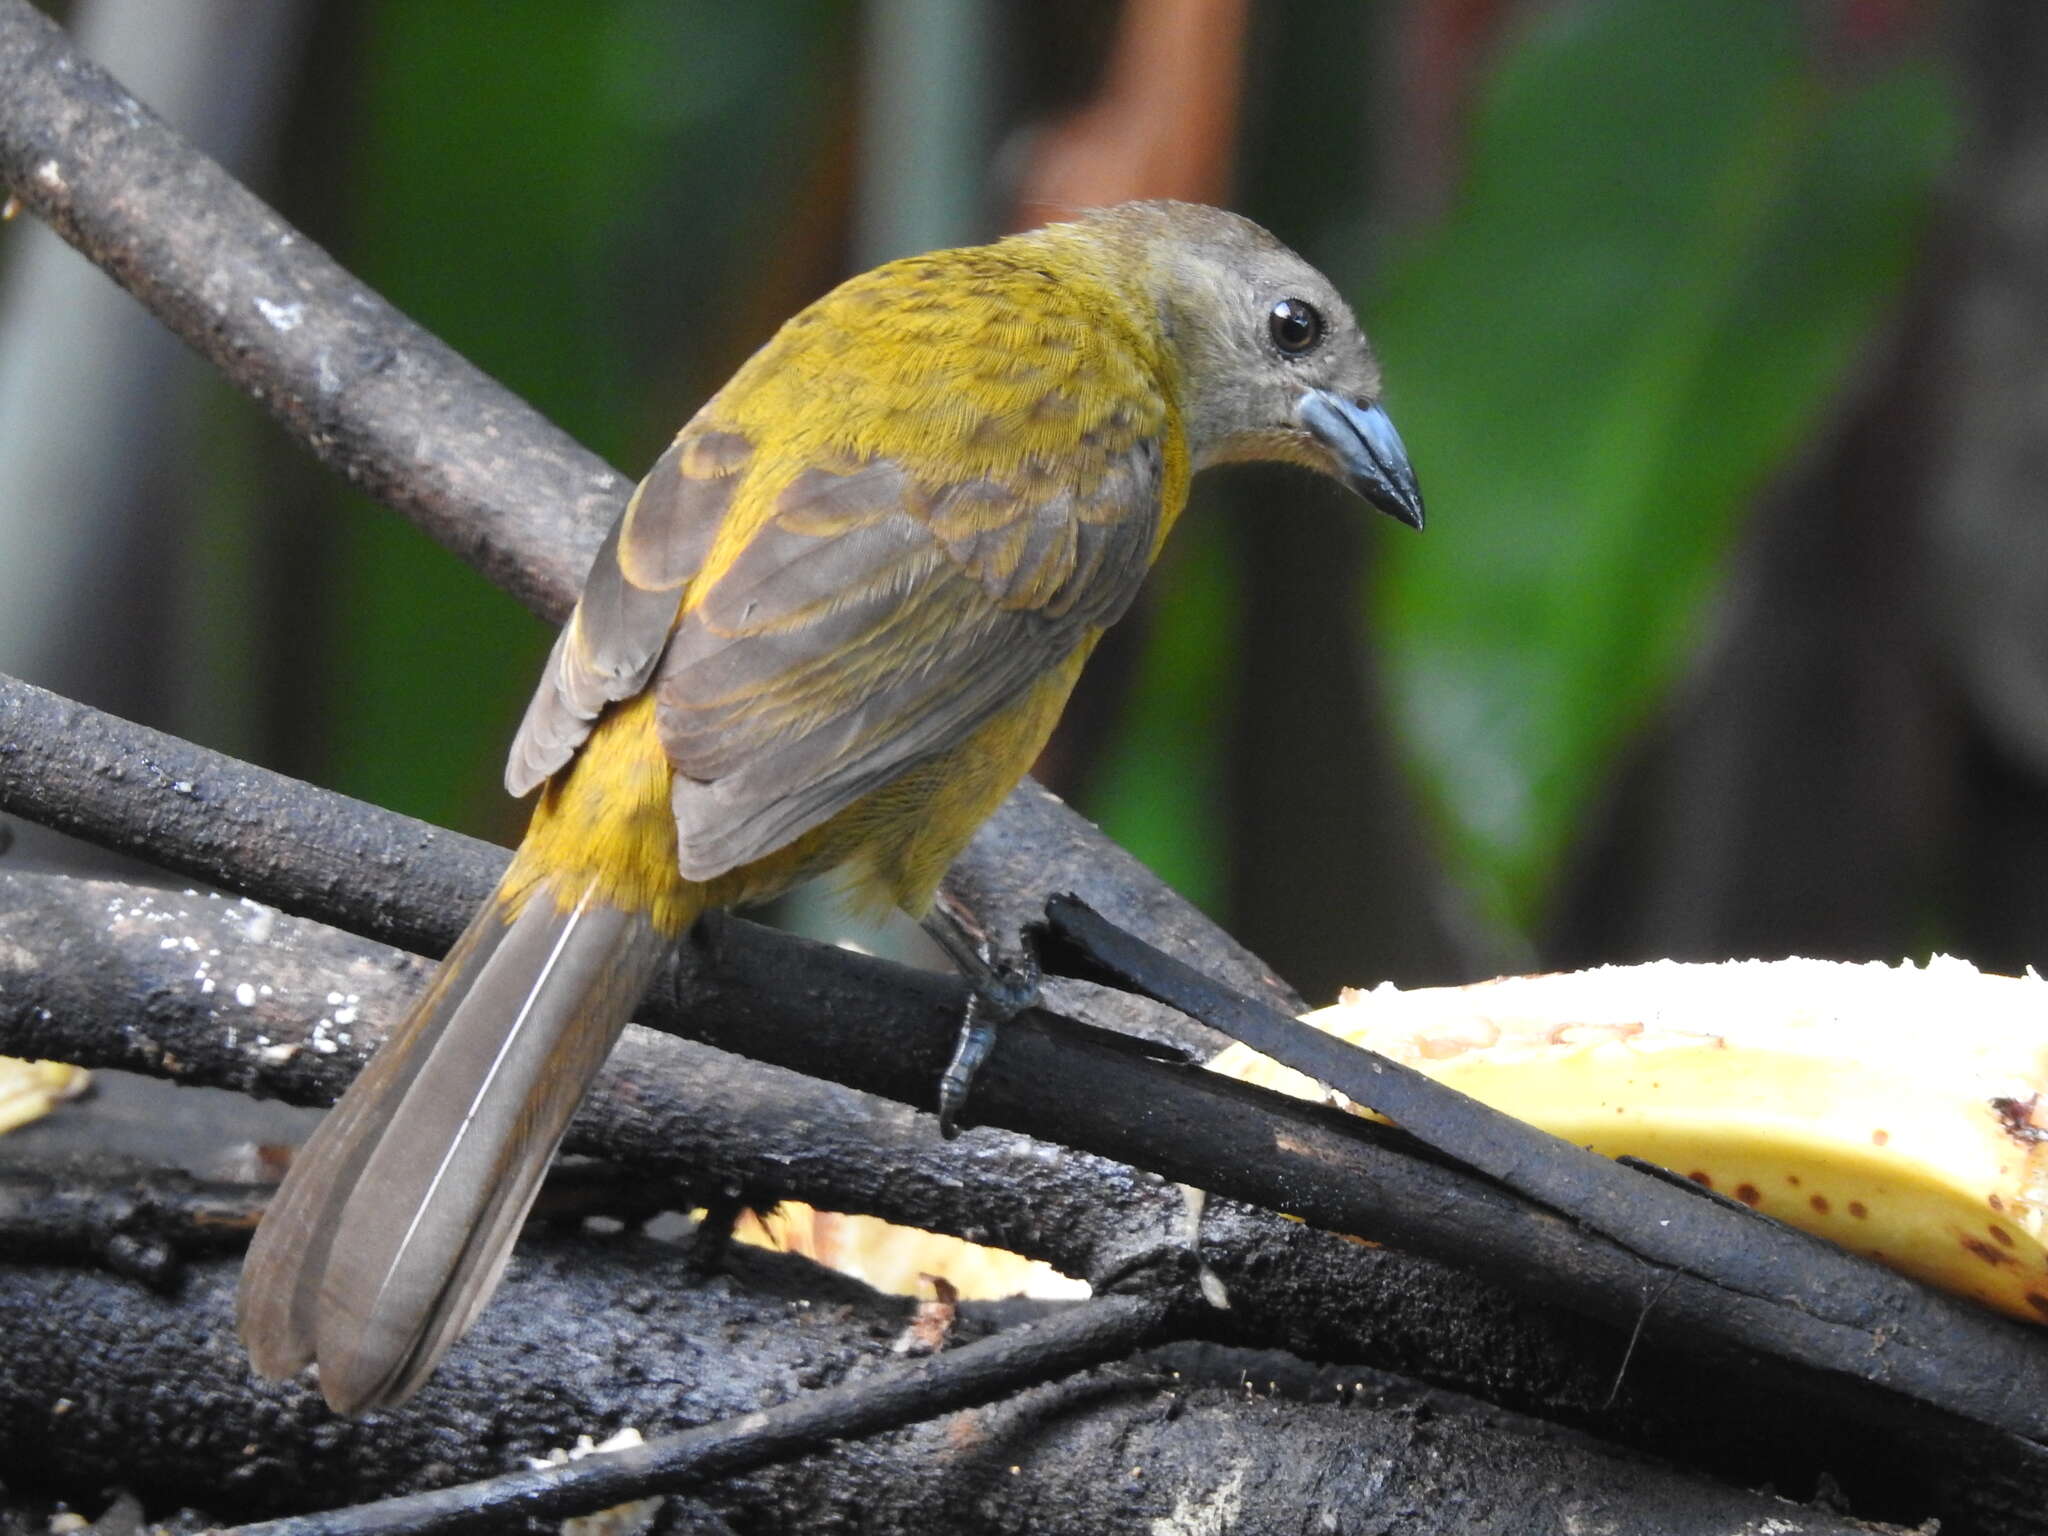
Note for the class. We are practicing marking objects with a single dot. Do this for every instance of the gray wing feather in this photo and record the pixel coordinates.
(872, 623)
(614, 638)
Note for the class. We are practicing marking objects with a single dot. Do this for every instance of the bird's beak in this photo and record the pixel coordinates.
(1366, 449)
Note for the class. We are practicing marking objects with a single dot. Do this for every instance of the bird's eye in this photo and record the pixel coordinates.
(1296, 326)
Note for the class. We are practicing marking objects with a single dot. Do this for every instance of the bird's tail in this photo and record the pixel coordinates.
(398, 1216)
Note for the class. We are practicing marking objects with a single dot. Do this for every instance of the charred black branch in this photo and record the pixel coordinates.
(595, 1334)
(901, 1393)
(234, 825)
(207, 990)
(132, 989)
(215, 992)
(1919, 1336)
(136, 1221)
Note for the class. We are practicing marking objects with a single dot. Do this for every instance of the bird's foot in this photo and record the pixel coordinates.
(1005, 983)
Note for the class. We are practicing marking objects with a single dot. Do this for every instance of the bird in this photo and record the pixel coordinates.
(829, 633)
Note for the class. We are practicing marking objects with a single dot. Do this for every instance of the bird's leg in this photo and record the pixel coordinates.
(1004, 983)
(712, 1239)
(702, 944)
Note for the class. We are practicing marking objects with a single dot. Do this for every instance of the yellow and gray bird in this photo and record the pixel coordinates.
(831, 631)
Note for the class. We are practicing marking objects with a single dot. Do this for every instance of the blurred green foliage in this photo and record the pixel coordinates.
(493, 250)
(1675, 238)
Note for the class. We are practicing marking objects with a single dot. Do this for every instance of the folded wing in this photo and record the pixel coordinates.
(875, 620)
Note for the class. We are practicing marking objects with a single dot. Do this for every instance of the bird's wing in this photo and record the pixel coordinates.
(609, 648)
(874, 619)
(877, 535)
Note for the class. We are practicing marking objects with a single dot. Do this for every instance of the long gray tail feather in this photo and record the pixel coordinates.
(398, 1216)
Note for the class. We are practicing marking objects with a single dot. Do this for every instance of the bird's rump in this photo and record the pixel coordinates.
(615, 636)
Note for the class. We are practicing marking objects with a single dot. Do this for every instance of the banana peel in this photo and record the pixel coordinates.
(1896, 1111)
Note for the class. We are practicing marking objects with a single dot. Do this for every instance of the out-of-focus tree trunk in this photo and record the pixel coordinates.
(1859, 766)
(1333, 877)
(1988, 497)
(1787, 801)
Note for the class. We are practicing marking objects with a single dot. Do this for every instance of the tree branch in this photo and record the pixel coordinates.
(370, 394)
(137, 1221)
(213, 992)
(600, 1333)
(903, 1393)
(112, 975)
(891, 1031)
(237, 826)
(1921, 1334)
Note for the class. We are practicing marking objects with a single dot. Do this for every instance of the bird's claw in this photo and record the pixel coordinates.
(1004, 984)
(1003, 987)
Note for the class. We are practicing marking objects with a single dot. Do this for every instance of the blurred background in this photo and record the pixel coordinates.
(1717, 329)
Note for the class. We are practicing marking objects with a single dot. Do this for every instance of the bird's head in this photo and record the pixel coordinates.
(1273, 363)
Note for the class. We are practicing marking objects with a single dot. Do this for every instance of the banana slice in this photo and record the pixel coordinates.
(1896, 1111)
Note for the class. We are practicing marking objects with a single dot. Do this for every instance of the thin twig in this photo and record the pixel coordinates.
(907, 1393)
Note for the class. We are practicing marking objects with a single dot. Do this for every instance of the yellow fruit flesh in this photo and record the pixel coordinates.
(1887, 1110)
(1830, 1147)
(31, 1089)
(895, 1259)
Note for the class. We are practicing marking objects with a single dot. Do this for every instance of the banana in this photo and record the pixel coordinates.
(31, 1089)
(895, 1259)
(1896, 1111)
